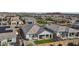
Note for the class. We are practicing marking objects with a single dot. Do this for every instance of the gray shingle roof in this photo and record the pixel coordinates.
(40, 30)
(32, 29)
(3, 29)
(58, 28)
(26, 28)
(55, 27)
(73, 30)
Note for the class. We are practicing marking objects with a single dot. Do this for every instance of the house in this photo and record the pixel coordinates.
(62, 32)
(11, 20)
(75, 25)
(5, 18)
(29, 20)
(3, 21)
(34, 31)
(7, 36)
(15, 20)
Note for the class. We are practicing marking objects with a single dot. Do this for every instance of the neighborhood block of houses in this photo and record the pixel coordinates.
(63, 32)
(16, 29)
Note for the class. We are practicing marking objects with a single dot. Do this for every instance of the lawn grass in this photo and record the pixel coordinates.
(43, 41)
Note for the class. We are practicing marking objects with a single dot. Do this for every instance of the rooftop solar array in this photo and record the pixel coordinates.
(3, 29)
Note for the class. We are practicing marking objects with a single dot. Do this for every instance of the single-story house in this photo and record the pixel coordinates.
(34, 31)
(7, 36)
(75, 25)
(62, 32)
(29, 20)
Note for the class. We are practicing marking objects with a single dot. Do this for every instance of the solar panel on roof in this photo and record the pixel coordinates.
(3, 29)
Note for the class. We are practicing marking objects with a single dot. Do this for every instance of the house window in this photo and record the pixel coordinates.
(71, 34)
(4, 19)
(47, 36)
(34, 35)
(41, 36)
(29, 22)
(63, 34)
(9, 40)
(17, 23)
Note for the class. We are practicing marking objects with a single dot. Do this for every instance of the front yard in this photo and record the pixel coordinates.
(43, 41)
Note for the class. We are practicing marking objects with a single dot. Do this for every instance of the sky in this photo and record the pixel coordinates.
(39, 6)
